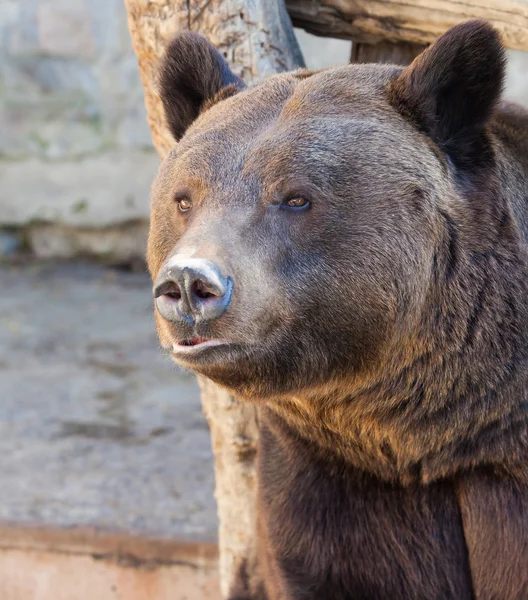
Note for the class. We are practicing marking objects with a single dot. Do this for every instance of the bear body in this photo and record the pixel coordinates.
(348, 250)
(397, 541)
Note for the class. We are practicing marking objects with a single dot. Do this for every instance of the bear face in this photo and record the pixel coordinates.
(316, 293)
(328, 203)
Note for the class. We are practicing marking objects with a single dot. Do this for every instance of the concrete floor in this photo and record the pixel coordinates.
(98, 430)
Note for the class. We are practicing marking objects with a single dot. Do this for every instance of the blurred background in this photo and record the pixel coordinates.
(106, 472)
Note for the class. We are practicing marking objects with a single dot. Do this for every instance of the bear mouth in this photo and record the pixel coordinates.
(195, 345)
(193, 342)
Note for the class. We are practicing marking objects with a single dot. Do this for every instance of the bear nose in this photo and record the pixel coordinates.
(192, 290)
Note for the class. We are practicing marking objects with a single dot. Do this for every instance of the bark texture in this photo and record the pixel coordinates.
(257, 39)
(415, 21)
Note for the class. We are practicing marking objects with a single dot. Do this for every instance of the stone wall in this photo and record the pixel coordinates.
(76, 160)
(75, 149)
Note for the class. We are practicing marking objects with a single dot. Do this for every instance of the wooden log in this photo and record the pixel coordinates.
(402, 53)
(257, 38)
(414, 21)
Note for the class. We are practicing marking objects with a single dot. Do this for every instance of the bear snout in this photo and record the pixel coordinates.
(192, 290)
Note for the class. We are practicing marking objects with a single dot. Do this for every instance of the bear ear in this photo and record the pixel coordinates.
(192, 72)
(452, 88)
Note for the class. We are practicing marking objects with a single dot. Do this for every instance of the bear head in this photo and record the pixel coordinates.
(302, 227)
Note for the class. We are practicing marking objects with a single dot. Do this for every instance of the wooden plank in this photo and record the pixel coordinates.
(414, 21)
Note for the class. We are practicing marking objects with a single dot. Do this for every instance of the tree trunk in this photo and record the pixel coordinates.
(257, 39)
(416, 21)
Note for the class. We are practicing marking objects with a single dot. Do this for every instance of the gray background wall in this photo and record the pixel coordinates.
(76, 160)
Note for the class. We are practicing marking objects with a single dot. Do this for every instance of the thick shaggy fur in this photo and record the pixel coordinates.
(383, 332)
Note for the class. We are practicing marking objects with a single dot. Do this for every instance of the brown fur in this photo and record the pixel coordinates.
(383, 333)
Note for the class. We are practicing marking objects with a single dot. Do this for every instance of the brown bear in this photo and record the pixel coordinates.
(347, 249)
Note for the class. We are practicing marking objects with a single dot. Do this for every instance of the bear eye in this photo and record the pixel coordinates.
(297, 203)
(184, 204)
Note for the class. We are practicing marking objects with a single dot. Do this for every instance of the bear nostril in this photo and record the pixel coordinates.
(170, 289)
(200, 290)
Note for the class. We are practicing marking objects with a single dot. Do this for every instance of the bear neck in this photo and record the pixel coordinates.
(450, 395)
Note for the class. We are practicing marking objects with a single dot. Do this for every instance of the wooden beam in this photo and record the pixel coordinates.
(402, 53)
(414, 21)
